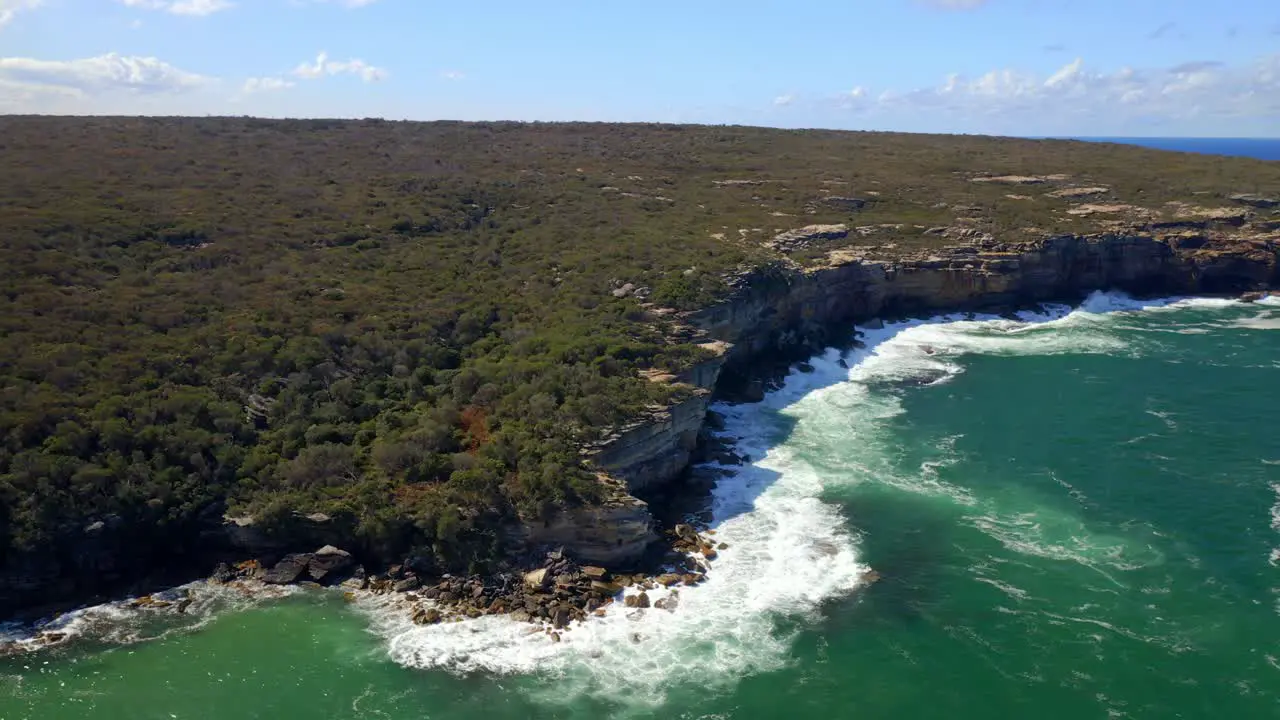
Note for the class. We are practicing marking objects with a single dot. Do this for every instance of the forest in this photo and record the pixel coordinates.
(415, 327)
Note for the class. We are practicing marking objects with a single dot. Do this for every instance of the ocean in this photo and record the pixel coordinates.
(1072, 514)
(1258, 148)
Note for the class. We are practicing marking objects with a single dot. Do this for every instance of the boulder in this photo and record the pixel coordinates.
(595, 573)
(668, 579)
(356, 581)
(560, 617)
(407, 584)
(288, 570)
(848, 204)
(799, 238)
(536, 579)
(426, 616)
(668, 603)
(605, 589)
(222, 574)
(329, 562)
(642, 600)
(1255, 200)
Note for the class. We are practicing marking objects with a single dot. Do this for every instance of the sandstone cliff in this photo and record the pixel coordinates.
(785, 310)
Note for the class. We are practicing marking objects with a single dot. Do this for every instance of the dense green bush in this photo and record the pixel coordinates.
(408, 326)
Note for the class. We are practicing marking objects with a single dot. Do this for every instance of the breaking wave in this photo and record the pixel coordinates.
(182, 609)
(789, 548)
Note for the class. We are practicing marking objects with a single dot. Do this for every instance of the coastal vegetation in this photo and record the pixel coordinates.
(418, 327)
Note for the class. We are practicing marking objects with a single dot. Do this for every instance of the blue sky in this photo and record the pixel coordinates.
(1028, 67)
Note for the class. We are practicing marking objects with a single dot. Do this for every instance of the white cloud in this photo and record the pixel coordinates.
(1189, 90)
(324, 66)
(101, 74)
(265, 84)
(784, 100)
(198, 8)
(10, 8)
(452, 74)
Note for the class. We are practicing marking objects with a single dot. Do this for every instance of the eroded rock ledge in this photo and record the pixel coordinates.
(786, 311)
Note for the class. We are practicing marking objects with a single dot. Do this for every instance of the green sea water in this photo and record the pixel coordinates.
(1073, 515)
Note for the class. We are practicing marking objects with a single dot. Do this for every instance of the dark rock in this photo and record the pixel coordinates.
(426, 616)
(560, 617)
(1254, 200)
(595, 573)
(642, 600)
(848, 204)
(668, 603)
(604, 588)
(329, 562)
(223, 574)
(288, 570)
(804, 367)
(409, 583)
(421, 566)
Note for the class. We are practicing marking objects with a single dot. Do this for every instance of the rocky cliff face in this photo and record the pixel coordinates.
(657, 448)
(615, 533)
(784, 307)
(787, 310)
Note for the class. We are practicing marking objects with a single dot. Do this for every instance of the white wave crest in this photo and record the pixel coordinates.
(788, 550)
(125, 622)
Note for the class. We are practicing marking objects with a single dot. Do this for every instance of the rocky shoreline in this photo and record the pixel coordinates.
(555, 594)
(773, 317)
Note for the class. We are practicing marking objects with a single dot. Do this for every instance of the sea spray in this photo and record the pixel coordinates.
(789, 550)
(185, 608)
(1031, 556)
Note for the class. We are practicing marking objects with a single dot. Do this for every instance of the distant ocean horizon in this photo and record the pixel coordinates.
(1258, 148)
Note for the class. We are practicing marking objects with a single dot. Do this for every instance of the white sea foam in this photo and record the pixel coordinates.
(789, 551)
(1274, 558)
(1269, 320)
(123, 623)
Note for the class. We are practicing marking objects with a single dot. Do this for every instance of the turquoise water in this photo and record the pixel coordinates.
(1074, 515)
